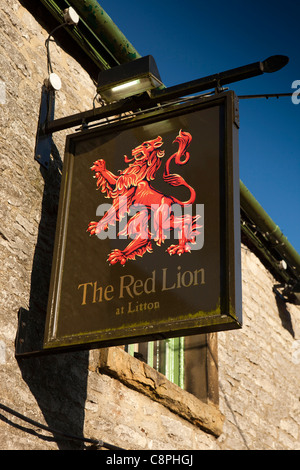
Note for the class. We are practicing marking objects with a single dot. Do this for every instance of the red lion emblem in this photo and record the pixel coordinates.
(132, 188)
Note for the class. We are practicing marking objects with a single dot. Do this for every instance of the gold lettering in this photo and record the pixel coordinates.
(127, 287)
(201, 271)
(178, 277)
(108, 290)
(136, 287)
(97, 289)
(151, 281)
(138, 284)
(120, 310)
(99, 293)
(164, 282)
(188, 283)
(141, 306)
(84, 291)
(103, 293)
(185, 279)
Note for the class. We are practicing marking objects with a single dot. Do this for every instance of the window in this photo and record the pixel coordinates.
(189, 362)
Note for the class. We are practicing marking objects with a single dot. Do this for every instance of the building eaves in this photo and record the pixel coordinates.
(96, 34)
(262, 233)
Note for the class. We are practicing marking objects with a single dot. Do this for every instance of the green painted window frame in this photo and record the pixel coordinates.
(189, 362)
(166, 356)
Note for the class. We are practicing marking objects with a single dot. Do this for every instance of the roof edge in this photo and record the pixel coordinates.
(263, 232)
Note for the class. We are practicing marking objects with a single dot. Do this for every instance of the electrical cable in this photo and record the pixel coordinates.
(47, 44)
(94, 442)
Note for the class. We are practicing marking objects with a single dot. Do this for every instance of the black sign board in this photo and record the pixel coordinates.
(148, 233)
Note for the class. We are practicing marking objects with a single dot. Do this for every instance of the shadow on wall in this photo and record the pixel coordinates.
(284, 315)
(58, 381)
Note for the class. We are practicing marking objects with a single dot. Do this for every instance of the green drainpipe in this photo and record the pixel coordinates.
(106, 30)
(273, 233)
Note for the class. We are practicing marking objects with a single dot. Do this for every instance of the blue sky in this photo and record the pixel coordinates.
(192, 39)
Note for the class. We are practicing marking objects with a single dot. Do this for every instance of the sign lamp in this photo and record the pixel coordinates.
(128, 79)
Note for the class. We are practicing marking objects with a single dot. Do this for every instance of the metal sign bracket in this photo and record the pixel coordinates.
(43, 139)
(29, 337)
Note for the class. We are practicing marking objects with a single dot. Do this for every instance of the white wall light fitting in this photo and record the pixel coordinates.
(70, 16)
(53, 82)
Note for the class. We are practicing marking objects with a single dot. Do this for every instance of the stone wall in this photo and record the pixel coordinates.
(50, 390)
(259, 367)
(78, 393)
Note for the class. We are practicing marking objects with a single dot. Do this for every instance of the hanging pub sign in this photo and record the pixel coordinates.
(148, 232)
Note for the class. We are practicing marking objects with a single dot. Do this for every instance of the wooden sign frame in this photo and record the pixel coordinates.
(173, 280)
